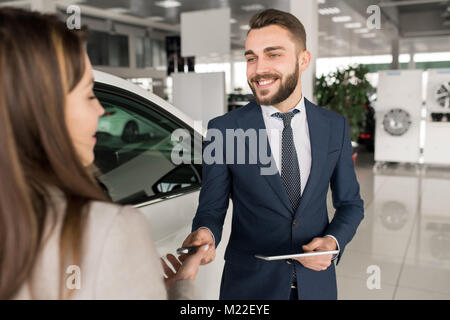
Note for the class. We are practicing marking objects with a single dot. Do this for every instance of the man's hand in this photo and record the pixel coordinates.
(318, 263)
(198, 238)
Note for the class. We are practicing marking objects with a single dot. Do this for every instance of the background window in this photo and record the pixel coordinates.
(106, 49)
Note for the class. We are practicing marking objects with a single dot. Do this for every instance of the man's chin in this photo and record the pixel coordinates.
(265, 99)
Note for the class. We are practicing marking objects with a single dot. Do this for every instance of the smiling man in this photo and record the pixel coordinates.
(286, 212)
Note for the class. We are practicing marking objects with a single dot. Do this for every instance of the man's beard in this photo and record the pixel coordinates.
(283, 92)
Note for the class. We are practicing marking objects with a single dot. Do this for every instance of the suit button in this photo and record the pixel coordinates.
(295, 222)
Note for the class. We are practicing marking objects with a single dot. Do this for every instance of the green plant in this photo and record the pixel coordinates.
(345, 92)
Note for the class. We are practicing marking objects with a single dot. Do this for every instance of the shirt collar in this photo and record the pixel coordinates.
(270, 110)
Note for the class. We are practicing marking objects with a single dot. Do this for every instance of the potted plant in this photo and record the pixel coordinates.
(345, 92)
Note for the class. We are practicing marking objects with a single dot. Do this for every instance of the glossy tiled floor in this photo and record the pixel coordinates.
(402, 247)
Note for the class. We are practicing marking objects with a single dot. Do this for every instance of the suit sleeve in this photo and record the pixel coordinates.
(346, 197)
(216, 184)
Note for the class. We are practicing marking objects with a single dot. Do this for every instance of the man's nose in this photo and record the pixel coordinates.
(262, 66)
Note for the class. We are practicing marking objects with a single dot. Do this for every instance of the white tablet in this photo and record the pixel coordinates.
(296, 255)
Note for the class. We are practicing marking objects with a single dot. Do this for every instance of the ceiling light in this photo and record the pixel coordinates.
(253, 7)
(353, 25)
(168, 4)
(245, 27)
(342, 19)
(329, 11)
(232, 20)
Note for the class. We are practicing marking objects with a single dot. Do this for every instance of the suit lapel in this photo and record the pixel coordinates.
(319, 131)
(253, 119)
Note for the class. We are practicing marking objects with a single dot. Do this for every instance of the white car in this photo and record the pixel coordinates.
(138, 170)
(130, 127)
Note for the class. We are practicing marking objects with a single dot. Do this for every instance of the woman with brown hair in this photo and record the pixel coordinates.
(54, 218)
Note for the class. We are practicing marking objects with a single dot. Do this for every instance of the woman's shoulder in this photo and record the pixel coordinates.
(109, 210)
(107, 216)
(100, 211)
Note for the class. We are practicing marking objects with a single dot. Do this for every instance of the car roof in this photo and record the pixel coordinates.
(109, 79)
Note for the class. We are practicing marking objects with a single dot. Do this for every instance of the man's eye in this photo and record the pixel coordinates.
(92, 98)
(251, 59)
(274, 55)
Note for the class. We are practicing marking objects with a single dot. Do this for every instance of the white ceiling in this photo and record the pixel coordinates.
(420, 27)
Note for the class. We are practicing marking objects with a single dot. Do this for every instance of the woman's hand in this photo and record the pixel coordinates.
(185, 270)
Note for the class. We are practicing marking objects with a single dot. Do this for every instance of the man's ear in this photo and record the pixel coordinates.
(304, 60)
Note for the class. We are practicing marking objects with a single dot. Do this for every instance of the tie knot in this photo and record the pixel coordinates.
(286, 117)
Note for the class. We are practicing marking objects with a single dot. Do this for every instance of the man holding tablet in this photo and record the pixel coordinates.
(284, 212)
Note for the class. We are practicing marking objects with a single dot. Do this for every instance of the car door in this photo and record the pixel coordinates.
(136, 169)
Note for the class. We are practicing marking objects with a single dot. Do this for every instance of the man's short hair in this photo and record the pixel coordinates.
(283, 19)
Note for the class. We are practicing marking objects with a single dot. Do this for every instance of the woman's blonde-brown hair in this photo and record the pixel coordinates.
(41, 61)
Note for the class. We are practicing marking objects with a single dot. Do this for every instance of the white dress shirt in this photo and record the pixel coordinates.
(299, 124)
(302, 142)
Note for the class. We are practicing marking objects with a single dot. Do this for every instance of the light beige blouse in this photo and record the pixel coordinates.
(119, 260)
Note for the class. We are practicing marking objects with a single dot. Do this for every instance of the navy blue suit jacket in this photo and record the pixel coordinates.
(263, 220)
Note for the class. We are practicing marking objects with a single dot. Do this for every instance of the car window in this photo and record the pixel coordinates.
(134, 148)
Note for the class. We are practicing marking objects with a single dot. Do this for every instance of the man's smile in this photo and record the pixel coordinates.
(265, 83)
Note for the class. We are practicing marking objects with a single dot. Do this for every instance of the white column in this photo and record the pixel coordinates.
(232, 73)
(44, 6)
(307, 12)
(132, 50)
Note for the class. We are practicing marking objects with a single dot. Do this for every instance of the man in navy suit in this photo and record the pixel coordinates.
(286, 211)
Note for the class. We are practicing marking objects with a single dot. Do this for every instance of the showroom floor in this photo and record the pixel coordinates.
(404, 237)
